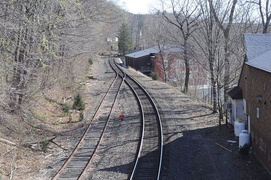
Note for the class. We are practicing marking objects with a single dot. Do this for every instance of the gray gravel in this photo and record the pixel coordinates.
(195, 146)
(193, 140)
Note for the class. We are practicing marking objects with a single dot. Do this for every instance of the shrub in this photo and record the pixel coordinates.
(154, 75)
(44, 145)
(65, 108)
(90, 61)
(78, 103)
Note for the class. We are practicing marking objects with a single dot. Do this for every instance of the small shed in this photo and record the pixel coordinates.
(236, 105)
(142, 60)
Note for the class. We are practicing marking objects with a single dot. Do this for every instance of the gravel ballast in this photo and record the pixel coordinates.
(195, 147)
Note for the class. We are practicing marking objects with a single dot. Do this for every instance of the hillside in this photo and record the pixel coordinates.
(26, 137)
(45, 64)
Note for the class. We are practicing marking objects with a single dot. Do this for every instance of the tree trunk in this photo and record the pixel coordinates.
(187, 67)
(18, 59)
(162, 55)
(213, 83)
(220, 109)
(227, 68)
(226, 32)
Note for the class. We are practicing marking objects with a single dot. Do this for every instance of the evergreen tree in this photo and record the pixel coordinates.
(78, 103)
(125, 40)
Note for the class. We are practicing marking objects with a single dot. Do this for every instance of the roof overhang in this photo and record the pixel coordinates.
(236, 93)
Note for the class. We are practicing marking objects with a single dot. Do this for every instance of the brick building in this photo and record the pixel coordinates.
(255, 82)
(172, 57)
(150, 60)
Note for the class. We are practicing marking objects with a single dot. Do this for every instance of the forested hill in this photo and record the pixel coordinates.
(46, 52)
(43, 44)
(40, 42)
(47, 49)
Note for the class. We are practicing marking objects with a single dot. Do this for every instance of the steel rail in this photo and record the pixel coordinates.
(160, 126)
(64, 166)
(142, 119)
(132, 176)
(81, 175)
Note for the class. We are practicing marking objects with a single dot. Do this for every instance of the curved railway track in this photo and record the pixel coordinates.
(148, 158)
(76, 163)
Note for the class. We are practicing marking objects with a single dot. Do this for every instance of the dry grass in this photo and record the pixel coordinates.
(42, 117)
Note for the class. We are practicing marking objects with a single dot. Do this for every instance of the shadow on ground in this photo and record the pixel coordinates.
(205, 154)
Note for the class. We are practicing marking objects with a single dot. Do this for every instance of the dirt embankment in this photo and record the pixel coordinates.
(29, 139)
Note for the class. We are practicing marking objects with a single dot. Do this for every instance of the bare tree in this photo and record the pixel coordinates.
(137, 27)
(185, 16)
(158, 35)
(264, 12)
(224, 18)
(207, 39)
(211, 44)
(36, 33)
(38, 38)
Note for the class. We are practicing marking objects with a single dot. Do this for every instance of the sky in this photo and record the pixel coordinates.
(138, 6)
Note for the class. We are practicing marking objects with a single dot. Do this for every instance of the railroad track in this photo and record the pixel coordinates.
(148, 158)
(148, 161)
(80, 158)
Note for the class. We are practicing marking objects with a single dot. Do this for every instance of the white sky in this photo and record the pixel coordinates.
(139, 6)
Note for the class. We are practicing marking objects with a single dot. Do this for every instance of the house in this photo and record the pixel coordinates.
(255, 83)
